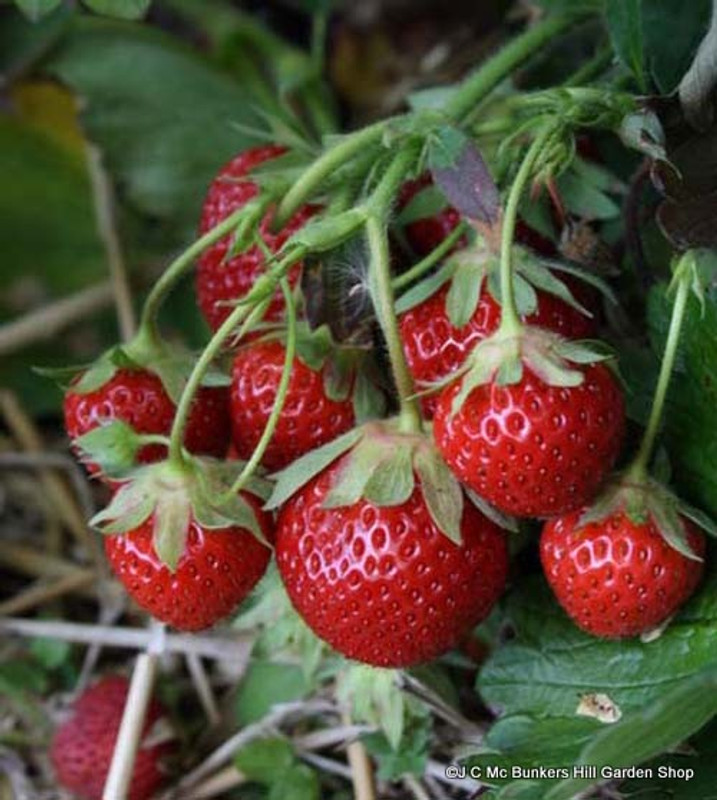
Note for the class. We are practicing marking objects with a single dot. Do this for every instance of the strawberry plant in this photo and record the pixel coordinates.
(413, 437)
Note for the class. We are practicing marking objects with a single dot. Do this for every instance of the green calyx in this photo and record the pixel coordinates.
(173, 496)
(645, 500)
(114, 446)
(502, 358)
(384, 465)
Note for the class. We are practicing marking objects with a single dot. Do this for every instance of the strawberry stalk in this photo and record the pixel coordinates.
(269, 428)
(381, 288)
(510, 324)
(683, 279)
(425, 264)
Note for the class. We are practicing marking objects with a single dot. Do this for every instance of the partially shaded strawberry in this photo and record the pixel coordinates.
(221, 281)
(617, 577)
(82, 748)
(216, 570)
(310, 417)
(138, 398)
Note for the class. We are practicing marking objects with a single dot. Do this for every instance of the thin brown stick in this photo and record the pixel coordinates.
(46, 322)
(103, 195)
(42, 592)
(361, 768)
(222, 781)
(28, 437)
(233, 647)
(203, 688)
(131, 727)
(32, 562)
(415, 787)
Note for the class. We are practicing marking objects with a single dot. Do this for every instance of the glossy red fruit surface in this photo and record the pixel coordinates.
(82, 748)
(221, 281)
(138, 398)
(383, 585)
(435, 348)
(216, 572)
(615, 577)
(309, 418)
(530, 449)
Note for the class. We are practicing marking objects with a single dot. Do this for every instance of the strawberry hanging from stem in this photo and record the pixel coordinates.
(624, 565)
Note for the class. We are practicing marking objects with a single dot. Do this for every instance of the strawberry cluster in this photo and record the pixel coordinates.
(389, 535)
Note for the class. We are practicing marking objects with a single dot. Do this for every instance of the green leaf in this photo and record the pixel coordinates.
(391, 483)
(325, 233)
(426, 203)
(441, 492)
(266, 684)
(426, 288)
(301, 471)
(464, 292)
(584, 199)
(149, 141)
(550, 663)
(659, 727)
(690, 417)
(51, 653)
(17, 677)
(299, 782)
(122, 9)
(672, 33)
(264, 759)
(411, 757)
(36, 9)
(624, 21)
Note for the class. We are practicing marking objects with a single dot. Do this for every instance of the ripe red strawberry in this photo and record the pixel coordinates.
(383, 584)
(531, 449)
(617, 577)
(435, 348)
(82, 748)
(309, 418)
(216, 571)
(220, 282)
(138, 398)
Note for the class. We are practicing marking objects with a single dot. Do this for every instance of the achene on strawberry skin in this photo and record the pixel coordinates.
(617, 578)
(221, 281)
(138, 398)
(382, 584)
(218, 569)
(82, 747)
(531, 449)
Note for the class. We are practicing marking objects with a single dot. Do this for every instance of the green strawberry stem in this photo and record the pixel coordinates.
(485, 79)
(462, 104)
(270, 427)
(250, 316)
(334, 158)
(381, 288)
(425, 264)
(148, 335)
(510, 324)
(683, 277)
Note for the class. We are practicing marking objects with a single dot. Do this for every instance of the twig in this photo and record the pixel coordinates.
(226, 750)
(46, 322)
(103, 196)
(203, 688)
(361, 769)
(220, 782)
(234, 647)
(328, 765)
(26, 434)
(41, 565)
(70, 466)
(415, 787)
(439, 793)
(330, 737)
(42, 592)
(129, 737)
